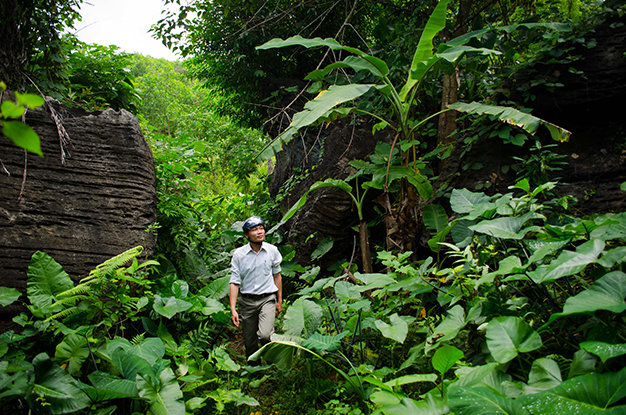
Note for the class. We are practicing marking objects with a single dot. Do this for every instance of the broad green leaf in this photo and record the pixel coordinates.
(29, 100)
(58, 388)
(454, 53)
(180, 289)
(508, 336)
(129, 365)
(236, 396)
(604, 351)
(613, 257)
(408, 379)
(375, 66)
(10, 109)
(390, 403)
(223, 360)
(397, 330)
(170, 306)
(340, 184)
(461, 232)
(280, 351)
(303, 317)
(310, 43)
(300, 41)
(150, 349)
(347, 291)
(46, 279)
(612, 226)
(544, 374)
(481, 401)
(22, 136)
(607, 293)
(310, 274)
(463, 200)
(374, 280)
(541, 249)
(8, 295)
(313, 111)
(509, 265)
(474, 376)
(583, 395)
(505, 228)
(569, 262)
(424, 51)
(322, 248)
(165, 396)
(324, 343)
(108, 386)
(445, 357)
(449, 327)
(435, 217)
(208, 306)
(514, 117)
(582, 363)
(73, 350)
(420, 182)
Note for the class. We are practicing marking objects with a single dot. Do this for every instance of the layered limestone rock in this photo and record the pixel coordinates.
(95, 204)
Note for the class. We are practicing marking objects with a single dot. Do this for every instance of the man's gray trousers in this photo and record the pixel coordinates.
(257, 320)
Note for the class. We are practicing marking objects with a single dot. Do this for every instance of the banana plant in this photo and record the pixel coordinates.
(326, 106)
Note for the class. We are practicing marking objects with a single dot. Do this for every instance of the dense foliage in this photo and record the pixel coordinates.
(515, 306)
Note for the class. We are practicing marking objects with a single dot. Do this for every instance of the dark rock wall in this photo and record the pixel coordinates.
(328, 211)
(97, 205)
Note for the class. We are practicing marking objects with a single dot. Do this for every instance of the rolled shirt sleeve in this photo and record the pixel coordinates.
(235, 276)
(278, 258)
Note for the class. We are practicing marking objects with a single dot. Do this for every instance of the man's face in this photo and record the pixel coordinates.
(256, 234)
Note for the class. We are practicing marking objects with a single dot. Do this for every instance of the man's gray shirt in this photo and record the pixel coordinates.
(254, 271)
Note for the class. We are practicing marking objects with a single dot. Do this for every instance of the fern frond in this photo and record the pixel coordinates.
(79, 289)
(70, 300)
(137, 339)
(117, 261)
(63, 314)
(201, 338)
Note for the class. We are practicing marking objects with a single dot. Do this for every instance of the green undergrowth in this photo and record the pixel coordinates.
(520, 311)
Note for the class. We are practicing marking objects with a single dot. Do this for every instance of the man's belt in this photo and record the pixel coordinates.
(257, 296)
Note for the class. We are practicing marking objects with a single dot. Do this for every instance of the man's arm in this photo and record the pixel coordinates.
(234, 291)
(278, 281)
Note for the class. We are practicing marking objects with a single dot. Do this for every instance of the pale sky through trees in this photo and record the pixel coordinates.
(124, 23)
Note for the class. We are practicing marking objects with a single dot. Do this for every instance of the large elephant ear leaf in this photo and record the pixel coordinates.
(604, 351)
(46, 280)
(588, 394)
(59, 390)
(508, 336)
(607, 293)
(302, 318)
(165, 396)
(479, 401)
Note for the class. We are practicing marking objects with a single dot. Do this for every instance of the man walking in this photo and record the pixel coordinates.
(255, 273)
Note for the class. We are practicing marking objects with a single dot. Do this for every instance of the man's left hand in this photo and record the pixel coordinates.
(279, 308)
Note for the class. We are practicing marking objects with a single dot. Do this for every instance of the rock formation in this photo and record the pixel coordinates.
(95, 205)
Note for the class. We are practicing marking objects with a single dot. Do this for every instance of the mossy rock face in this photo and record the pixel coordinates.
(95, 205)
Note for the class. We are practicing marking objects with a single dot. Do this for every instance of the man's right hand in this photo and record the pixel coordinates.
(235, 318)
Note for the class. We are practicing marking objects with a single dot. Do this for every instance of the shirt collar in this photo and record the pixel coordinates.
(249, 247)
